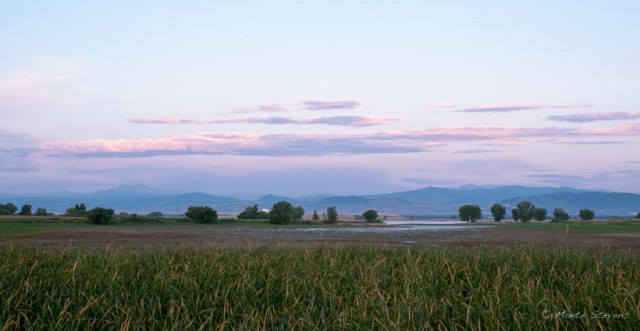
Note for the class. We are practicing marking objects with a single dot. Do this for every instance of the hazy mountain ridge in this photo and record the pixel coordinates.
(430, 200)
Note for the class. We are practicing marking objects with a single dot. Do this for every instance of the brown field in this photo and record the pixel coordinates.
(249, 236)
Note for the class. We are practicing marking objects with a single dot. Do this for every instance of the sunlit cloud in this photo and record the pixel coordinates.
(593, 117)
(294, 144)
(624, 130)
(313, 144)
(330, 105)
(517, 107)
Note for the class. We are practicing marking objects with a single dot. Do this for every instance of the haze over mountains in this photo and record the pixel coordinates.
(426, 201)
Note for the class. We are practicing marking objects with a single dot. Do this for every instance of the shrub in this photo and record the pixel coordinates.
(100, 215)
(559, 215)
(298, 213)
(249, 213)
(281, 213)
(539, 214)
(201, 214)
(8, 209)
(332, 215)
(371, 216)
(41, 212)
(586, 214)
(155, 214)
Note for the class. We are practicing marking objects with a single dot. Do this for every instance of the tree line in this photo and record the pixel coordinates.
(524, 212)
(284, 212)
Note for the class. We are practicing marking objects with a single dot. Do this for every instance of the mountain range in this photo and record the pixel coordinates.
(426, 201)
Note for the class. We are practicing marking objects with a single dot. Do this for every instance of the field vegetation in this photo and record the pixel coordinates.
(355, 287)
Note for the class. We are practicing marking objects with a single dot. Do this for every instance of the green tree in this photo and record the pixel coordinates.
(514, 214)
(498, 211)
(41, 212)
(135, 218)
(298, 213)
(332, 215)
(78, 210)
(469, 213)
(559, 215)
(638, 216)
(8, 209)
(524, 211)
(201, 214)
(316, 217)
(262, 215)
(371, 216)
(99, 215)
(155, 214)
(249, 213)
(586, 214)
(539, 214)
(281, 213)
(25, 210)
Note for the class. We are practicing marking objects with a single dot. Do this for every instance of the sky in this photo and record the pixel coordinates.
(307, 97)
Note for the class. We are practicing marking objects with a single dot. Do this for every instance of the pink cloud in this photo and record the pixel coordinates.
(517, 107)
(592, 117)
(625, 130)
(296, 144)
(351, 121)
(320, 143)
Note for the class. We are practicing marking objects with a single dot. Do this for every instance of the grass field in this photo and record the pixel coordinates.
(68, 274)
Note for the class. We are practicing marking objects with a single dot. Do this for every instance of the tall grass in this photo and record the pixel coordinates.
(359, 287)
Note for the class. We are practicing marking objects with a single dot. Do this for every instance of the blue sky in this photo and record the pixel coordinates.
(302, 97)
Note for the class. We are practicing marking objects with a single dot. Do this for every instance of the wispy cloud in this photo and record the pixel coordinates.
(163, 121)
(350, 121)
(322, 143)
(265, 108)
(293, 144)
(28, 83)
(624, 130)
(252, 120)
(517, 107)
(555, 176)
(606, 142)
(593, 117)
(330, 105)
(477, 151)
(19, 169)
